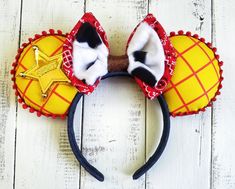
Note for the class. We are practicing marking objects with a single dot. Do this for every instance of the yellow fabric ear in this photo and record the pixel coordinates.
(60, 93)
(197, 76)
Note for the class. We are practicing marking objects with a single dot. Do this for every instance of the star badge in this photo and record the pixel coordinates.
(46, 71)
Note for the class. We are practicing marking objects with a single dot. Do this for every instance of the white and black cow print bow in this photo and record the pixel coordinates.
(149, 54)
(145, 53)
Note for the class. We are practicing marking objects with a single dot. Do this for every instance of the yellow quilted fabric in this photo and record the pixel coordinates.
(196, 77)
(60, 94)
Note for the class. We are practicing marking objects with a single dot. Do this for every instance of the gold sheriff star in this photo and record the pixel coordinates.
(47, 70)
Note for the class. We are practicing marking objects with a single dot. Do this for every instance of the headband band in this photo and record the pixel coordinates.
(152, 160)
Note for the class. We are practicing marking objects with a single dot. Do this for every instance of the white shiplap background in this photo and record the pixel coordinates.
(120, 128)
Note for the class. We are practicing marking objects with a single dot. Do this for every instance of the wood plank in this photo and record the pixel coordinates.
(43, 153)
(223, 167)
(9, 29)
(114, 115)
(44, 158)
(186, 160)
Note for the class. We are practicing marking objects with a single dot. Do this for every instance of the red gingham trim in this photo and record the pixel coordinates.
(209, 45)
(68, 52)
(16, 63)
(170, 58)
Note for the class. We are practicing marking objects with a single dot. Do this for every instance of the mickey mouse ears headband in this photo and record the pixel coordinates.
(52, 71)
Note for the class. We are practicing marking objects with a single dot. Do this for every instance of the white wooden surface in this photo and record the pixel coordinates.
(119, 129)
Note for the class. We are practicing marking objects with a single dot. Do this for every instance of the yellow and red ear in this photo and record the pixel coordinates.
(197, 76)
(151, 57)
(39, 80)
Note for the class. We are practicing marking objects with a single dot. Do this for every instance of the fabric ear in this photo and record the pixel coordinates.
(146, 55)
(85, 54)
(90, 55)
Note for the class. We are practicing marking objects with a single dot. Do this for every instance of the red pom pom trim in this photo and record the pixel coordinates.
(14, 65)
(209, 45)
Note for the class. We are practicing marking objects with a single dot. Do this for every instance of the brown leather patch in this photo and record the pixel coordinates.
(117, 63)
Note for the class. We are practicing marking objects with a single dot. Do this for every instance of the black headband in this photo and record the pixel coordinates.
(152, 160)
